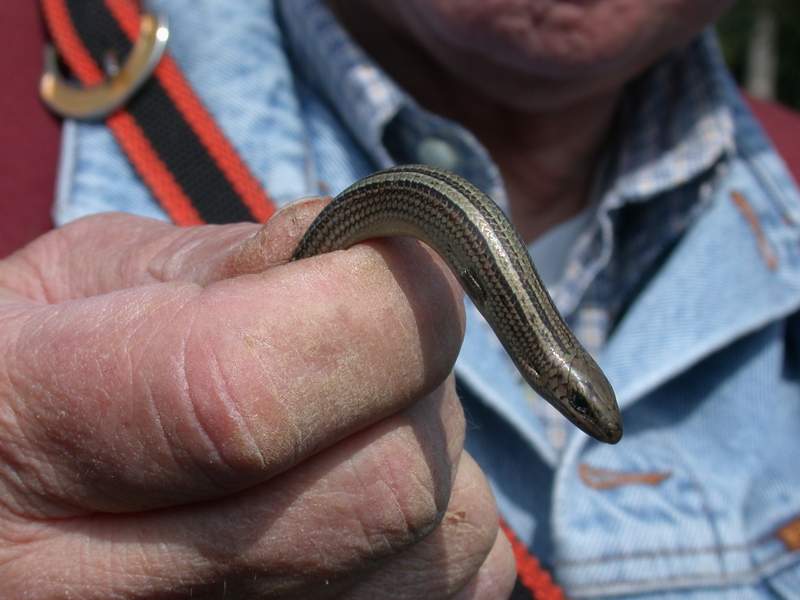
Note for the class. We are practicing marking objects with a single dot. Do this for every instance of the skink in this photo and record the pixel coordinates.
(467, 229)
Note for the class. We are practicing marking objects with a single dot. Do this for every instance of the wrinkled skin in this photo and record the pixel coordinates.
(181, 416)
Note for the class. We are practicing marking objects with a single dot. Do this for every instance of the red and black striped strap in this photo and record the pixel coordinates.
(187, 162)
(533, 580)
(168, 135)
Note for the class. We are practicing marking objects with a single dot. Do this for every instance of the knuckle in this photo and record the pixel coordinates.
(222, 435)
(209, 413)
(405, 486)
(453, 555)
(417, 466)
(418, 498)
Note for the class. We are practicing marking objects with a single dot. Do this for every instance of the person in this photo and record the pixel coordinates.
(187, 414)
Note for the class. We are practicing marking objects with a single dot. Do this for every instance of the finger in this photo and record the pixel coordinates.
(450, 557)
(171, 393)
(307, 532)
(115, 251)
(497, 575)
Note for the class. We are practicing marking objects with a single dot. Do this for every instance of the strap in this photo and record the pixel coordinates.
(533, 581)
(168, 135)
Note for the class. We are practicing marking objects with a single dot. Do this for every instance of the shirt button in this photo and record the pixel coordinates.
(436, 152)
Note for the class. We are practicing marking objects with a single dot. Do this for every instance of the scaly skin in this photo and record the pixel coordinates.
(468, 230)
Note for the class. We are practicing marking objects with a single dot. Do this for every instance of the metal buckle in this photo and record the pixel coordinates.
(100, 100)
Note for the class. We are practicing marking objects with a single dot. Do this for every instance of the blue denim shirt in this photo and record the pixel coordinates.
(685, 284)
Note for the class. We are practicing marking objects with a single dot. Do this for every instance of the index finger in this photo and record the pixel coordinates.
(171, 392)
(113, 251)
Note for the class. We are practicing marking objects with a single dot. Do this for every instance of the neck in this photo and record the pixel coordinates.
(546, 155)
(548, 160)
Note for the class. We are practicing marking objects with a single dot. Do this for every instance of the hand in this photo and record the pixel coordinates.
(184, 413)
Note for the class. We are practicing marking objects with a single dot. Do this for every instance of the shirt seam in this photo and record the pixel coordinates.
(766, 568)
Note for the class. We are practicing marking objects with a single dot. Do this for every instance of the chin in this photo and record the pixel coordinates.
(558, 39)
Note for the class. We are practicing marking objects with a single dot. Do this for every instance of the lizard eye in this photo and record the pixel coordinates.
(579, 403)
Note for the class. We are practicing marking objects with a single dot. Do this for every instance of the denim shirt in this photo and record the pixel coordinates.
(685, 285)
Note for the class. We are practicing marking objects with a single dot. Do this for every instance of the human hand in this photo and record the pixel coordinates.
(185, 414)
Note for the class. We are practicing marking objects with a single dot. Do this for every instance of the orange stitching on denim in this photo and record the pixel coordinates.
(789, 534)
(749, 214)
(607, 479)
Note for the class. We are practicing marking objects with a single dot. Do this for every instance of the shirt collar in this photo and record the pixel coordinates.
(362, 94)
(386, 121)
(675, 125)
(675, 120)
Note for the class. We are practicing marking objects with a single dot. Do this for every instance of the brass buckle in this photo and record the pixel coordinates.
(100, 100)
